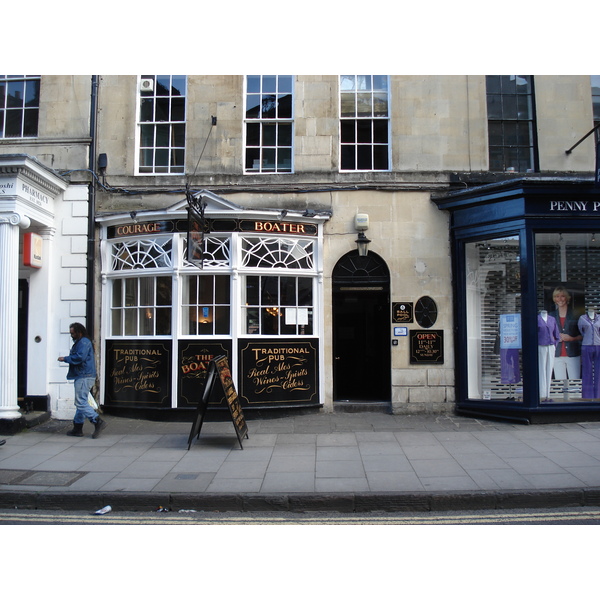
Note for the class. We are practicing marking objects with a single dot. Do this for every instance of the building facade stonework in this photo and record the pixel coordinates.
(289, 173)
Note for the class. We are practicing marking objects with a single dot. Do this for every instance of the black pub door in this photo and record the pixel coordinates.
(361, 329)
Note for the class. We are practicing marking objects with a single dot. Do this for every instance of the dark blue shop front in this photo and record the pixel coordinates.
(526, 261)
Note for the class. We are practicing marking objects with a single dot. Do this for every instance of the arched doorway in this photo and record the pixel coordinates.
(361, 329)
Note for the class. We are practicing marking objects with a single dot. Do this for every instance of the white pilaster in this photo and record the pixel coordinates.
(9, 311)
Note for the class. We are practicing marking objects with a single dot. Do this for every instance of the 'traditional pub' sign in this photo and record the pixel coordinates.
(279, 372)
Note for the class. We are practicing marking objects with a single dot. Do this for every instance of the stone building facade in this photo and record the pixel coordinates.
(290, 172)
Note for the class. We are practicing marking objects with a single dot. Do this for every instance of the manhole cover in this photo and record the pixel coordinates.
(51, 478)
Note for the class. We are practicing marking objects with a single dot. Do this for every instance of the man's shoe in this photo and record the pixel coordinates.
(99, 425)
(77, 430)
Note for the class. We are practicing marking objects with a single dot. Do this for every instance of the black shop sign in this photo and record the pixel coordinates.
(138, 373)
(427, 346)
(279, 372)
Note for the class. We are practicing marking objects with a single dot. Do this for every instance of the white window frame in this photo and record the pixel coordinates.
(152, 169)
(262, 122)
(363, 88)
(6, 110)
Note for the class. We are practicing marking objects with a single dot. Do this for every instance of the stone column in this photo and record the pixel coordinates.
(9, 311)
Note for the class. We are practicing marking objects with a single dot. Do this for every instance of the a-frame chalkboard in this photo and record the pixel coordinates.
(218, 368)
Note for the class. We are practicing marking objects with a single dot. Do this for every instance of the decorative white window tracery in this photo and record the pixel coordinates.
(216, 253)
(277, 253)
(142, 254)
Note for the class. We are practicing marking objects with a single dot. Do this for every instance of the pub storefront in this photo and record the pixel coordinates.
(526, 262)
(248, 287)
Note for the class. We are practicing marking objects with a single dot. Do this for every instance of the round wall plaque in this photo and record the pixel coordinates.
(426, 312)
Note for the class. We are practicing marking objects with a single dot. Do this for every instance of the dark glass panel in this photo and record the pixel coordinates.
(253, 134)
(252, 106)
(284, 107)
(117, 290)
(252, 290)
(287, 291)
(269, 291)
(304, 291)
(347, 158)
(380, 132)
(284, 159)
(163, 291)
(363, 82)
(177, 109)
(1, 123)
(163, 136)
(146, 161)
(494, 106)
(30, 123)
(252, 159)
(285, 134)
(178, 85)
(147, 109)
(206, 290)
(192, 292)
(161, 158)
(178, 135)
(268, 159)
(509, 107)
(269, 134)
(269, 321)
(2, 95)
(523, 84)
(14, 123)
(32, 93)
(163, 85)
(364, 134)
(492, 84)
(146, 136)
(177, 161)
(508, 84)
(348, 132)
(380, 158)
(222, 295)
(496, 159)
(162, 109)
(511, 158)
(524, 133)
(496, 134)
(524, 107)
(510, 134)
(268, 107)
(163, 321)
(222, 320)
(16, 94)
(364, 158)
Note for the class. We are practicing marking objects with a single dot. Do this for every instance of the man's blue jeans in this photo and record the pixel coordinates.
(83, 410)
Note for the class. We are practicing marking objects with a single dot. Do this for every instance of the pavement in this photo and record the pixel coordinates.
(343, 462)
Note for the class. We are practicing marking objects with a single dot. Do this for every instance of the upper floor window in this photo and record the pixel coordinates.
(19, 105)
(511, 126)
(364, 123)
(161, 124)
(596, 102)
(269, 123)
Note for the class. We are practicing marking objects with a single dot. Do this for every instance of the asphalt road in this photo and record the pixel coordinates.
(559, 516)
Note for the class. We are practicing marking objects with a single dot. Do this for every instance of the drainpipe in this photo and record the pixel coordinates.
(91, 234)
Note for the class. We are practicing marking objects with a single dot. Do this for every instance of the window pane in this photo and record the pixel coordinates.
(14, 123)
(364, 105)
(269, 134)
(16, 94)
(493, 306)
(380, 131)
(284, 134)
(222, 295)
(287, 287)
(347, 158)
(348, 105)
(163, 85)
(222, 320)
(268, 107)
(268, 160)
(205, 295)
(285, 84)
(284, 107)
(284, 159)
(347, 83)
(178, 85)
(252, 290)
(253, 83)
(348, 131)
(380, 158)
(363, 131)
(252, 106)
(269, 84)
(147, 109)
(178, 109)
(364, 158)
(163, 291)
(252, 159)
(253, 134)
(269, 292)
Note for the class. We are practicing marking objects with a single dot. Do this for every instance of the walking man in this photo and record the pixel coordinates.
(82, 370)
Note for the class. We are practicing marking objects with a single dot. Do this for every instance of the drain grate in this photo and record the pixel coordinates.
(62, 478)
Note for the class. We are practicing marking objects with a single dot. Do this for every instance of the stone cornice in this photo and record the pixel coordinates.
(31, 170)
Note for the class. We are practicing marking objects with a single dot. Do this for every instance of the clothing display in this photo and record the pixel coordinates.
(548, 337)
(589, 325)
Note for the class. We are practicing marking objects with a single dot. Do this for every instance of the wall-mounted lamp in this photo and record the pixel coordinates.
(133, 215)
(362, 242)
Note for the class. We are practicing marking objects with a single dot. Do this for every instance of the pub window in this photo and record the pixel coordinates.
(277, 253)
(364, 123)
(269, 124)
(206, 305)
(161, 124)
(141, 306)
(511, 124)
(19, 105)
(216, 252)
(278, 305)
(142, 254)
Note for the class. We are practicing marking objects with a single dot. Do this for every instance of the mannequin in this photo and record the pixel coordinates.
(589, 325)
(567, 359)
(548, 337)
